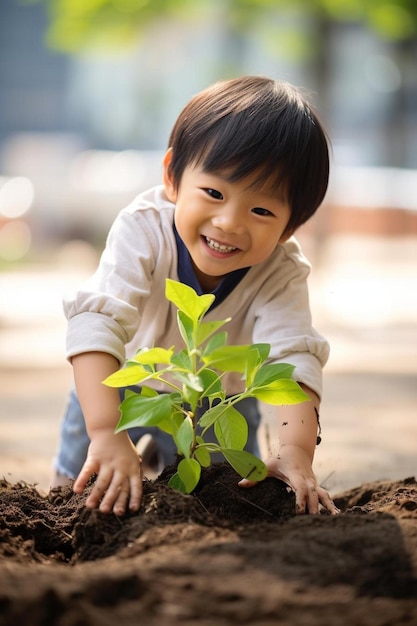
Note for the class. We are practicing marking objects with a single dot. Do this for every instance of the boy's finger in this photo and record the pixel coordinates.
(247, 483)
(328, 503)
(120, 504)
(300, 504)
(98, 492)
(83, 477)
(114, 493)
(313, 502)
(136, 488)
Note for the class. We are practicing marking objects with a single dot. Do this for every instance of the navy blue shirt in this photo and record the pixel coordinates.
(187, 275)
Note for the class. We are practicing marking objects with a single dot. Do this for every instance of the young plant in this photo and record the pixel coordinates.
(193, 373)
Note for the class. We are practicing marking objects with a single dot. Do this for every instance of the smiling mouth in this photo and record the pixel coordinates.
(218, 247)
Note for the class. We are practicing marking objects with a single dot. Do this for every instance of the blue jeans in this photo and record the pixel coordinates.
(74, 440)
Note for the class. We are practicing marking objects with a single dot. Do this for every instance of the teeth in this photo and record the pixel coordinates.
(214, 245)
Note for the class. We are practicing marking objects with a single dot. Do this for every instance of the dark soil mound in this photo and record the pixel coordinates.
(59, 527)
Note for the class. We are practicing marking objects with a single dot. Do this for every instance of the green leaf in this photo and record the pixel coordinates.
(175, 482)
(217, 341)
(186, 328)
(182, 360)
(146, 366)
(186, 299)
(192, 388)
(262, 348)
(153, 355)
(211, 415)
(172, 423)
(193, 381)
(189, 471)
(130, 375)
(185, 437)
(212, 385)
(271, 372)
(206, 329)
(173, 419)
(139, 410)
(202, 455)
(191, 397)
(146, 391)
(279, 392)
(246, 464)
(235, 358)
(213, 448)
(231, 429)
(252, 364)
(196, 386)
(228, 358)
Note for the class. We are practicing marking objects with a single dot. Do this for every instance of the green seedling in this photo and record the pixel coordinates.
(193, 373)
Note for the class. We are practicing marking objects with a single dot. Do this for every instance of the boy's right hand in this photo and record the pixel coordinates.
(115, 461)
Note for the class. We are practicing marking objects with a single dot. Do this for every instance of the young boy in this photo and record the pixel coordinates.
(247, 164)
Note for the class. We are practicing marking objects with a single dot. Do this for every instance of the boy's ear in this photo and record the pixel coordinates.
(170, 187)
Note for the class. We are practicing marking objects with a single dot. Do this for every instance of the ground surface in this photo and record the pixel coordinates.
(218, 557)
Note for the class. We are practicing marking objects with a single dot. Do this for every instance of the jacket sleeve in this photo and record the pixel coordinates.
(283, 319)
(105, 312)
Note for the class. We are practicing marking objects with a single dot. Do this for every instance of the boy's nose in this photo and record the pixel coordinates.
(229, 221)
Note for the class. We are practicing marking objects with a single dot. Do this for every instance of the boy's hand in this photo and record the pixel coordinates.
(118, 466)
(292, 465)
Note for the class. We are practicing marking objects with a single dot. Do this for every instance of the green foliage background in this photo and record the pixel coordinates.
(78, 24)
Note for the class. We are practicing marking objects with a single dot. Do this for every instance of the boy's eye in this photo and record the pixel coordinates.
(260, 211)
(214, 193)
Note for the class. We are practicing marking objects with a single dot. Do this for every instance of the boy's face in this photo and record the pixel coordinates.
(224, 225)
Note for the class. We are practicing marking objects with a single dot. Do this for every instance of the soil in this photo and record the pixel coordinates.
(220, 556)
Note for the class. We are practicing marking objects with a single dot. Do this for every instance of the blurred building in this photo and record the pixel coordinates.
(34, 83)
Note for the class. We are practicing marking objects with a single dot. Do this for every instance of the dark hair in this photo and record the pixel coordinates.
(256, 125)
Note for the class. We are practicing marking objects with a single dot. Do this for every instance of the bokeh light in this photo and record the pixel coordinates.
(16, 196)
(105, 171)
(15, 240)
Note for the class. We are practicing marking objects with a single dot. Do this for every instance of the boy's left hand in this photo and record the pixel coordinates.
(292, 465)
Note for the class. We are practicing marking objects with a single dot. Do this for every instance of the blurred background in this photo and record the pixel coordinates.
(89, 91)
